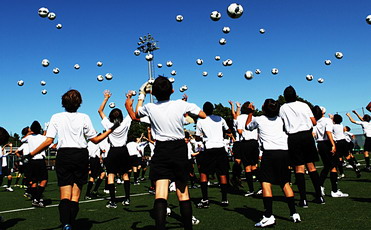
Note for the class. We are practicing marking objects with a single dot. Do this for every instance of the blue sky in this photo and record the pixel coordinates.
(300, 36)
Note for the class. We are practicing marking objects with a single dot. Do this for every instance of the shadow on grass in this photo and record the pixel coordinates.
(358, 199)
(85, 223)
(253, 213)
(10, 223)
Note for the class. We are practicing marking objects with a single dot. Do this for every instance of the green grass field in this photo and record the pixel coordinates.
(242, 213)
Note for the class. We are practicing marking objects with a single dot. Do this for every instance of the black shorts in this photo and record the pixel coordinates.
(133, 161)
(95, 167)
(302, 148)
(72, 166)
(191, 165)
(274, 167)
(26, 170)
(38, 171)
(350, 146)
(5, 171)
(143, 162)
(249, 152)
(328, 158)
(21, 169)
(170, 161)
(342, 148)
(367, 146)
(215, 160)
(236, 150)
(117, 160)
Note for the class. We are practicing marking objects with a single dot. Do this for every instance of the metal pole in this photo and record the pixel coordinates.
(150, 75)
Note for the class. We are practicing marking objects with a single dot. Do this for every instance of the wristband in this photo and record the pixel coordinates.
(141, 96)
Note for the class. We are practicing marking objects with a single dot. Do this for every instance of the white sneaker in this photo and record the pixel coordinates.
(266, 222)
(9, 189)
(195, 221)
(323, 191)
(248, 193)
(259, 192)
(339, 193)
(348, 167)
(295, 217)
(358, 164)
(106, 191)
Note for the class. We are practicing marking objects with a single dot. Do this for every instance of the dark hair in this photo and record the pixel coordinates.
(25, 131)
(347, 128)
(290, 94)
(271, 108)
(317, 112)
(186, 135)
(208, 108)
(162, 88)
(245, 108)
(116, 114)
(71, 100)
(337, 119)
(366, 117)
(36, 127)
(4, 136)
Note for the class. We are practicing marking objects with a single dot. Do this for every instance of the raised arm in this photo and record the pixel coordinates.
(234, 115)
(42, 147)
(350, 118)
(107, 94)
(129, 106)
(238, 110)
(249, 117)
(359, 117)
(331, 139)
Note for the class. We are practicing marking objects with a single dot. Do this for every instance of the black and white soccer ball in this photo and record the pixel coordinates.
(368, 19)
(215, 15)
(249, 75)
(179, 18)
(258, 71)
(43, 12)
(173, 72)
(136, 52)
(339, 55)
(229, 62)
(320, 80)
(327, 62)
(112, 105)
(226, 29)
(59, 26)
(149, 57)
(262, 31)
(235, 10)
(199, 61)
(220, 74)
(217, 58)
(169, 63)
(204, 73)
(274, 71)
(20, 83)
(44, 91)
(109, 76)
(100, 78)
(171, 79)
(76, 66)
(99, 64)
(159, 65)
(225, 63)
(309, 77)
(45, 62)
(56, 70)
(222, 41)
(52, 16)
(183, 88)
(42, 83)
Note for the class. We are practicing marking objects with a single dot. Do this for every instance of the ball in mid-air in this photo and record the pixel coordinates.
(179, 18)
(42, 83)
(149, 57)
(136, 52)
(173, 72)
(169, 63)
(222, 41)
(44, 91)
(258, 71)
(56, 70)
(274, 71)
(368, 19)
(99, 64)
(217, 58)
(309, 77)
(327, 62)
(20, 83)
(171, 79)
(249, 75)
(100, 77)
(159, 65)
(199, 61)
(109, 76)
(235, 10)
(229, 62)
(220, 74)
(262, 31)
(112, 105)
(339, 55)
(59, 26)
(215, 15)
(76, 66)
(226, 29)
(52, 16)
(320, 80)
(43, 12)
(204, 73)
(45, 62)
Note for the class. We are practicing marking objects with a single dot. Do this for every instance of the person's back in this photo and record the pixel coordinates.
(296, 116)
(211, 129)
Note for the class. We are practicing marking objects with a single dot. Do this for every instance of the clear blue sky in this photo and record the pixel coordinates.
(299, 36)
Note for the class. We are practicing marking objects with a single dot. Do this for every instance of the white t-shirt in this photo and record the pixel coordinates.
(366, 126)
(338, 132)
(141, 146)
(167, 118)
(35, 141)
(235, 127)
(4, 155)
(246, 134)
(211, 129)
(133, 149)
(296, 116)
(190, 150)
(25, 149)
(323, 125)
(93, 149)
(271, 132)
(348, 136)
(119, 136)
(72, 129)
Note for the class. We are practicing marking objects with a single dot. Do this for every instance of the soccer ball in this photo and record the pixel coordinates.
(149, 57)
(42, 83)
(99, 64)
(109, 76)
(215, 15)
(169, 63)
(220, 74)
(258, 71)
(225, 63)
(249, 75)
(274, 71)
(226, 29)
(59, 26)
(112, 105)
(309, 77)
(320, 80)
(100, 77)
(229, 62)
(136, 52)
(76, 66)
(56, 70)
(327, 62)
(222, 41)
(183, 88)
(368, 19)
(173, 72)
(199, 61)
(179, 18)
(52, 16)
(235, 10)
(159, 65)
(339, 55)
(44, 91)
(45, 62)
(217, 58)
(204, 73)
(262, 31)
(43, 12)
(20, 83)
(171, 79)
(133, 92)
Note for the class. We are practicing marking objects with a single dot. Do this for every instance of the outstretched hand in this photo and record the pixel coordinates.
(107, 94)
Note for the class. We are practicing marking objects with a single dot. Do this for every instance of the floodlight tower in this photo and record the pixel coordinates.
(147, 44)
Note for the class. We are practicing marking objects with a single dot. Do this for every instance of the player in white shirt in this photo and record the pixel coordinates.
(6, 171)
(365, 122)
(215, 159)
(275, 159)
(298, 122)
(24, 150)
(169, 161)
(134, 156)
(350, 138)
(327, 150)
(4, 137)
(72, 163)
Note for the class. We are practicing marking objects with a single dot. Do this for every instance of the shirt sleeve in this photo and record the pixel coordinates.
(308, 111)
(329, 126)
(224, 123)
(145, 120)
(142, 111)
(52, 128)
(106, 123)
(192, 108)
(241, 123)
(89, 130)
(24, 140)
(252, 125)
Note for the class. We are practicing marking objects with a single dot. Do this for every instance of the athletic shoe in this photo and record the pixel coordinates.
(106, 191)
(224, 203)
(9, 189)
(358, 173)
(142, 179)
(319, 200)
(27, 195)
(266, 221)
(111, 204)
(295, 217)
(36, 203)
(203, 204)
(87, 197)
(349, 167)
(339, 193)
(195, 221)
(126, 202)
(118, 181)
(67, 227)
(358, 164)
(341, 176)
(248, 193)
(152, 191)
(259, 192)
(193, 187)
(303, 203)
(41, 204)
(136, 183)
(323, 191)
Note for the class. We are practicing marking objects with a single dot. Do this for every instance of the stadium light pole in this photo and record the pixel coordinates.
(148, 44)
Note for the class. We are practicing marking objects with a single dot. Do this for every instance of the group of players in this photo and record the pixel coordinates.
(268, 146)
